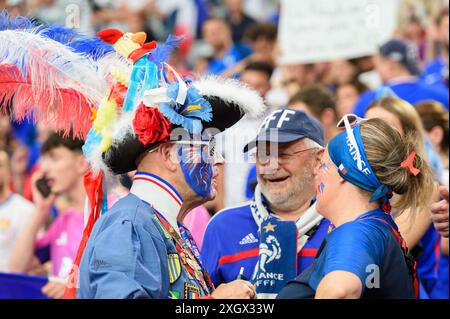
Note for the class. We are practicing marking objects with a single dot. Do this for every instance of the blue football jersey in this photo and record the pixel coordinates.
(231, 241)
(366, 247)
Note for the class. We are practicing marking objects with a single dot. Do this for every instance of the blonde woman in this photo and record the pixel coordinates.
(365, 255)
(404, 118)
(418, 231)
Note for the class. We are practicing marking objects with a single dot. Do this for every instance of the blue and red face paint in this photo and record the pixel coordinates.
(197, 171)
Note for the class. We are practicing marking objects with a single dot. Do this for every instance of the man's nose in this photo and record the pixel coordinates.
(265, 159)
(269, 166)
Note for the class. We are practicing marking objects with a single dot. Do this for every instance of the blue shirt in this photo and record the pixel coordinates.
(429, 265)
(441, 289)
(412, 92)
(128, 255)
(236, 53)
(364, 248)
(231, 241)
(436, 72)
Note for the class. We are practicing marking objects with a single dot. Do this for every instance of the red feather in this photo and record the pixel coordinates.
(29, 101)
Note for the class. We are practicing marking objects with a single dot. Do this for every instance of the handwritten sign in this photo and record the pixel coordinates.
(323, 30)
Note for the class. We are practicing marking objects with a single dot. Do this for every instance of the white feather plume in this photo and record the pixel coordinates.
(114, 61)
(232, 91)
(50, 63)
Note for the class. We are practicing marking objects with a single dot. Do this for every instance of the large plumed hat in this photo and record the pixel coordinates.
(158, 100)
(52, 74)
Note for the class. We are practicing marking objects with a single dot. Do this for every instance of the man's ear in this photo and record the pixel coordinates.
(318, 161)
(169, 156)
(319, 154)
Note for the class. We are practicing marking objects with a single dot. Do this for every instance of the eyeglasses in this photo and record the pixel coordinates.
(207, 149)
(287, 156)
(282, 156)
(347, 122)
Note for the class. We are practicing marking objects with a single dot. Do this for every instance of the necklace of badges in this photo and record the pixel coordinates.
(188, 252)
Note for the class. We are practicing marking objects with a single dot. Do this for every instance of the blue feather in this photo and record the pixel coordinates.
(93, 140)
(204, 114)
(92, 47)
(135, 86)
(192, 125)
(179, 114)
(89, 46)
(59, 33)
(173, 117)
(15, 23)
(163, 52)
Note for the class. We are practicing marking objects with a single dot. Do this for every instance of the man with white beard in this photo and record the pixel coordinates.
(275, 236)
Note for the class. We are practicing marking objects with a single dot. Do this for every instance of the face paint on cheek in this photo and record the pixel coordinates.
(197, 173)
(321, 187)
(324, 170)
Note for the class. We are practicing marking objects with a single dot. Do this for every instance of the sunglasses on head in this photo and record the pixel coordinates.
(351, 119)
(347, 122)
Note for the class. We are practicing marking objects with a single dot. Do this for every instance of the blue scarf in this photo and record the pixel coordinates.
(280, 241)
(347, 153)
(277, 262)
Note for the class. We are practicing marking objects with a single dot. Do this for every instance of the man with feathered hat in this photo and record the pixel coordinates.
(140, 248)
(151, 120)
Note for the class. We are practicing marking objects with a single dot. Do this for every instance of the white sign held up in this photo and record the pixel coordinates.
(323, 30)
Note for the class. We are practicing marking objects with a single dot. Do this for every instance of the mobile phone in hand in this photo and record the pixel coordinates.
(43, 187)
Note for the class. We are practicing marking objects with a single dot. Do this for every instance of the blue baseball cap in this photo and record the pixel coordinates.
(402, 52)
(289, 125)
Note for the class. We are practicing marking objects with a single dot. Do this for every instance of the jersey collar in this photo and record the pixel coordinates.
(159, 194)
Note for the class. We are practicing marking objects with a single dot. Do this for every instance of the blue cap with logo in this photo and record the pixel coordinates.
(402, 52)
(287, 125)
